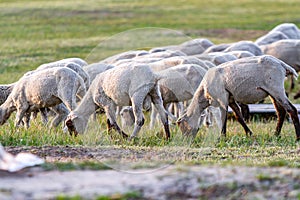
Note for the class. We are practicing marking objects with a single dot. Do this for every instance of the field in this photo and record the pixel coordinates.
(36, 32)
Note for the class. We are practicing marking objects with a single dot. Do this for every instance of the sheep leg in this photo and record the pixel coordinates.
(153, 117)
(110, 110)
(224, 121)
(281, 98)
(61, 114)
(281, 113)
(245, 111)
(158, 103)
(137, 106)
(19, 116)
(239, 117)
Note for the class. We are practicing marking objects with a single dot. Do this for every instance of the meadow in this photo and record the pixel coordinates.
(36, 32)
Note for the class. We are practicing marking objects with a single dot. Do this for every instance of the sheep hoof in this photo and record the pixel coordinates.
(132, 137)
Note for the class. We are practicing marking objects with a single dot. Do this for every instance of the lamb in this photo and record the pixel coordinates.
(246, 80)
(119, 86)
(45, 88)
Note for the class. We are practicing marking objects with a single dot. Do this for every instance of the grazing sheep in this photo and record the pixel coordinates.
(216, 58)
(280, 32)
(61, 63)
(246, 80)
(191, 47)
(124, 55)
(241, 54)
(5, 91)
(245, 46)
(289, 29)
(176, 60)
(71, 65)
(119, 86)
(96, 68)
(286, 50)
(127, 116)
(42, 89)
(270, 37)
(178, 84)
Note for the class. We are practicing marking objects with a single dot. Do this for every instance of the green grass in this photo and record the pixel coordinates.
(35, 32)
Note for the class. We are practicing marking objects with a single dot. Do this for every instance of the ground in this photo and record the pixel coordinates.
(170, 181)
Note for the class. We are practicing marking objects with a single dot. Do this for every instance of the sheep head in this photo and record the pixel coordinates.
(186, 127)
(75, 124)
(4, 115)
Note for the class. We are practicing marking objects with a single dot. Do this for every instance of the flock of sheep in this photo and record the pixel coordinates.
(197, 78)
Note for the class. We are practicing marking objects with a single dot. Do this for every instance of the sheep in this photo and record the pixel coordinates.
(61, 63)
(42, 89)
(96, 68)
(246, 80)
(5, 91)
(270, 37)
(280, 32)
(289, 29)
(124, 55)
(245, 46)
(119, 86)
(287, 51)
(216, 58)
(178, 84)
(174, 61)
(72, 65)
(191, 47)
(127, 116)
(217, 48)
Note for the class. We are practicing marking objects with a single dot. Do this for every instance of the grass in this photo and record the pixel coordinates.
(35, 32)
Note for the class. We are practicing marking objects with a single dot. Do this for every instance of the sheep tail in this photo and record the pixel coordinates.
(289, 70)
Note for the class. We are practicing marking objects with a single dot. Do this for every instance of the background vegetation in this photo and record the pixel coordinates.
(35, 32)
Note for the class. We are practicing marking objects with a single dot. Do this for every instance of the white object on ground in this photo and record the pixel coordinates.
(11, 163)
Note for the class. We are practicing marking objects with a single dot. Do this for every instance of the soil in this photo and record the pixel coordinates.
(168, 182)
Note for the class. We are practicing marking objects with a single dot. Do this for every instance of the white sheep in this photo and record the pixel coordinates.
(216, 58)
(71, 65)
(246, 80)
(270, 37)
(124, 55)
(287, 51)
(62, 62)
(280, 32)
(191, 47)
(289, 29)
(245, 46)
(42, 89)
(96, 68)
(5, 91)
(119, 86)
(217, 48)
